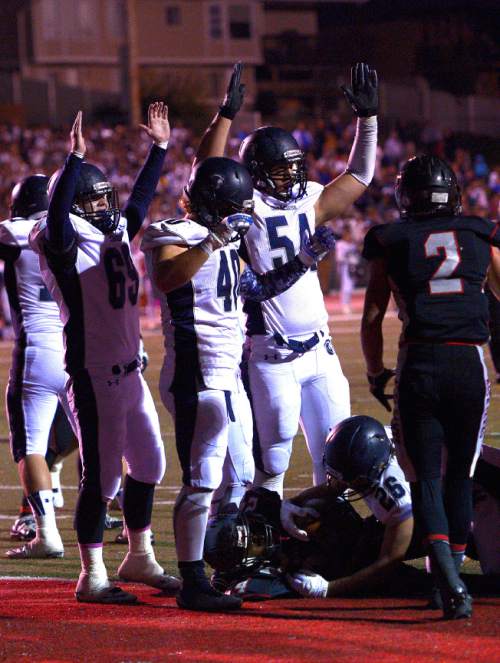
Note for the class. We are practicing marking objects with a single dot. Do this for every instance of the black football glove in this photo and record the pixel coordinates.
(234, 94)
(378, 384)
(363, 93)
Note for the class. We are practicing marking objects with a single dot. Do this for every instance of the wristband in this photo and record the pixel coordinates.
(80, 155)
(163, 144)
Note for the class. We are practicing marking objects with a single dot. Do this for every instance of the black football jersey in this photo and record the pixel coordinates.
(437, 267)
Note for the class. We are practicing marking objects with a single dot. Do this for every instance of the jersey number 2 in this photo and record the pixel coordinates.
(118, 265)
(444, 245)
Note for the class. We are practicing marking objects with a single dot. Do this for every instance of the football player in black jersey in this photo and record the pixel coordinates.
(435, 261)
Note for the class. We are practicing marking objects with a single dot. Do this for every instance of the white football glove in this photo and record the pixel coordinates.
(315, 248)
(289, 512)
(308, 584)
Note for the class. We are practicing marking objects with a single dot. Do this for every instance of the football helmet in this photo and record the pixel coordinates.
(219, 187)
(357, 451)
(276, 163)
(427, 186)
(238, 541)
(92, 185)
(29, 196)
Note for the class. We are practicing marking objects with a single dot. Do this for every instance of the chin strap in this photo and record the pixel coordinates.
(361, 164)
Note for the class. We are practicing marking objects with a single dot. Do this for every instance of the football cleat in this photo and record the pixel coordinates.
(206, 599)
(145, 569)
(90, 590)
(111, 522)
(457, 604)
(37, 549)
(24, 528)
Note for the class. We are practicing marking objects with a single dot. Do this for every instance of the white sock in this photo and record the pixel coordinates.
(92, 560)
(42, 506)
(139, 541)
(190, 523)
(270, 482)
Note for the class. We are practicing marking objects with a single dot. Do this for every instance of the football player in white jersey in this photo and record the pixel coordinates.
(295, 374)
(37, 378)
(358, 456)
(85, 262)
(195, 266)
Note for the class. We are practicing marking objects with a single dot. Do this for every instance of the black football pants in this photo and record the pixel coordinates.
(442, 396)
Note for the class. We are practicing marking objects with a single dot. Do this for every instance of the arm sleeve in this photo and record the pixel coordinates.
(259, 287)
(60, 236)
(144, 190)
(362, 159)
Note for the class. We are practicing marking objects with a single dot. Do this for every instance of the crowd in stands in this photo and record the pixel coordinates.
(120, 151)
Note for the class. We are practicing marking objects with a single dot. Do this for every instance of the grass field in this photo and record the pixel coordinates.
(345, 331)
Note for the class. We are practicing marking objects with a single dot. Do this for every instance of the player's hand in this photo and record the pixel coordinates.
(239, 223)
(76, 137)
(363, 93)
(158, 127)
(234, 94)
(378, 384)
(288, 515)
(318, 246)
(308, 584)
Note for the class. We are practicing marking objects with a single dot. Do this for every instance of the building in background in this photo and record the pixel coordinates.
(109, 56)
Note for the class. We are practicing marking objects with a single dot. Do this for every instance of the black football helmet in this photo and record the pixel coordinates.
(90, 186)
(427, 186)
(29, 196)
(357, 452)
(219, 187)
(276, 163)
(240, 541)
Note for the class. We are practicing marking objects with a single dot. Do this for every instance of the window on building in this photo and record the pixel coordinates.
(173, 15)
(215, 21)
(239, 22)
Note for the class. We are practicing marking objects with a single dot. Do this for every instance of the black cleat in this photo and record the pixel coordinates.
(457, 605)
(206, 599)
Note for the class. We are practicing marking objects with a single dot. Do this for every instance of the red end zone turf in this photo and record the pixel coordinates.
(41, 621)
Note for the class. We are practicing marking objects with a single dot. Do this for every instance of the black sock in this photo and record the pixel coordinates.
(193, 574)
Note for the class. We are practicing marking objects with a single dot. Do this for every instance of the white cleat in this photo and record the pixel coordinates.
(144, 568)
(37, 549)
(95, 590)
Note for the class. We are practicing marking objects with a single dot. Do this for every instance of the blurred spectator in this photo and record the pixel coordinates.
(120, 151)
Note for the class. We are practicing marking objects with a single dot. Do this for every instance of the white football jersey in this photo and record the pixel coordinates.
(390, 502)
(273, 239)
(33, 309)
(203, 317)
(97, 296)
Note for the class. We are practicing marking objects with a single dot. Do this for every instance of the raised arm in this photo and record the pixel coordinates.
(157, 128)
(213, 142)
(339, 194)
(60, 234)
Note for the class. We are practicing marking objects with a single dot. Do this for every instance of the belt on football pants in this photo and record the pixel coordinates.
(297, 346)
(125, 369)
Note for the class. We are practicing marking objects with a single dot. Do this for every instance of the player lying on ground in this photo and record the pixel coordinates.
(332, 550)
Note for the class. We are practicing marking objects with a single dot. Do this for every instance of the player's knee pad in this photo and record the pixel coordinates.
(276, 459)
